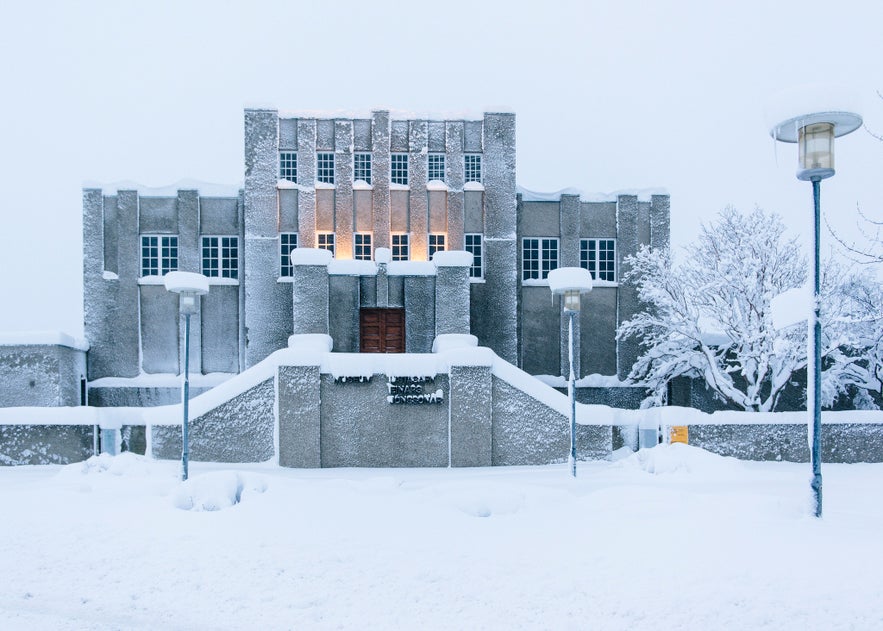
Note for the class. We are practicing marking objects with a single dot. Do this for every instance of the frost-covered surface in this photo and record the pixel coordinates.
(452, 341)
(452, 258)
(310, 256)
(42, 338)
(671, 538)
(180, 282)
(643, 195)
(162, 380)
(207, 189)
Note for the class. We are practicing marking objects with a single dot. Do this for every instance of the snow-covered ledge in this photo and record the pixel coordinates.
(310, 256)
(311, 342)
(452, 341)
(453, 258)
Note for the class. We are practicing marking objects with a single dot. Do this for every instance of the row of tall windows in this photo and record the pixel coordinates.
(220, 255)
(400, 249)
(539, 256)
(362, 167)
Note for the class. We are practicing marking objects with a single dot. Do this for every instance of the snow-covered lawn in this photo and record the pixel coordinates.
(670, 538)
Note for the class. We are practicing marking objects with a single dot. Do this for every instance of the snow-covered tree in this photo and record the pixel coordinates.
(710, 316)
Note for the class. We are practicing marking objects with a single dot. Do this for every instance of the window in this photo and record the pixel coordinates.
(159, 255)
(362, 246)
(538, 257)
(473, 245)
(288, 166)
(436, 170)
(472, 167)
(398, 171)
(599, 257)
(362, 167)
(436, 244)
(287, 243)
(325, 241)
(325, 167)
(220, 257)
(400, 249)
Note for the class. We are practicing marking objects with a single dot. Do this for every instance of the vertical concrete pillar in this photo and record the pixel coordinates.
(418, 203)
(660, 221)
(452, 292)
(568, 210)
(500, 297)
(471, 407)
(96, 289)
(263, 333)
(190, 260)
(343, 196)
(306, 177)
(380, 131)
(382, 289)
(455, 138)
(309, 286)
(124, 322)
(299, 406)
(627, 296)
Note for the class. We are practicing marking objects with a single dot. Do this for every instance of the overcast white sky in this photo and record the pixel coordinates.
(624, 94)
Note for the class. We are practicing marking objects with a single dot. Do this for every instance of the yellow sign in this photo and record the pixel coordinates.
(678, 434)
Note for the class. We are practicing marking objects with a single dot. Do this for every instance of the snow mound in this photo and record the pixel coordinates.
(125, 464)
(216, 491)
(679, 458)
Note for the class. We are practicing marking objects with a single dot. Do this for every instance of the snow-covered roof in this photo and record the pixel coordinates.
(643, 194)
(206, 189)
(42, 338)
(394, 114)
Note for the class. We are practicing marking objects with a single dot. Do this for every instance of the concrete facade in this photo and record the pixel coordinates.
(333, 182)
(42, 374)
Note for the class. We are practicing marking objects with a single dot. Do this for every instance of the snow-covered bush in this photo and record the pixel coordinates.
(710, 316)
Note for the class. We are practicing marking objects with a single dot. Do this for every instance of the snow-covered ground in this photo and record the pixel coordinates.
(670, 538)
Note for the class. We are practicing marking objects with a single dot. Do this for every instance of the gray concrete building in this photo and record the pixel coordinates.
(383, 194)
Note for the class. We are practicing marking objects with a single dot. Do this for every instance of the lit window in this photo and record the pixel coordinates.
(473, 245)
(599, 257)
(436, 165)
(362, 246)
(398, 171)
(436, 244)
(159, 255)
(538, 257)
(362, 167)
(400, 249)
(325, 167)
(287, 243)
(220, 257)
(472, 167)
(325, 241)
(288, 166)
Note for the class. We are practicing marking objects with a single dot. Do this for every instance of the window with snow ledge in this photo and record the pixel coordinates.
(435, 167)
(220, 257)
(288, 166)
(362, 167)
(325, 167)
(159, 254)
(599, 257)
(287, 243)
(398, 168)
(325, 241)
(436, 244)
(362, 246)
(400, 247)
(472, 167)
(473, 246)
(539, 256)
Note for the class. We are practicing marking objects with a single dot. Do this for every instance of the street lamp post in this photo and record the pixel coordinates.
(571, 282)
(189, 287)
(815, 132)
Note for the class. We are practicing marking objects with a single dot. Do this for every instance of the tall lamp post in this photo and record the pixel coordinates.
(571, 283)
(189, 287)
(814, 133)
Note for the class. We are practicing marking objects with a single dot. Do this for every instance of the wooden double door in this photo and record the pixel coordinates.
(382, 330)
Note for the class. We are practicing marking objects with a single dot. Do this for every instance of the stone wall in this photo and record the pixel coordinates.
(41, 375)
(45, 444)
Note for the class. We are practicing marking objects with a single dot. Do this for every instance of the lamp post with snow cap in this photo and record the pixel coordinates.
(571, 283)
(189, 286)
(814, 133)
